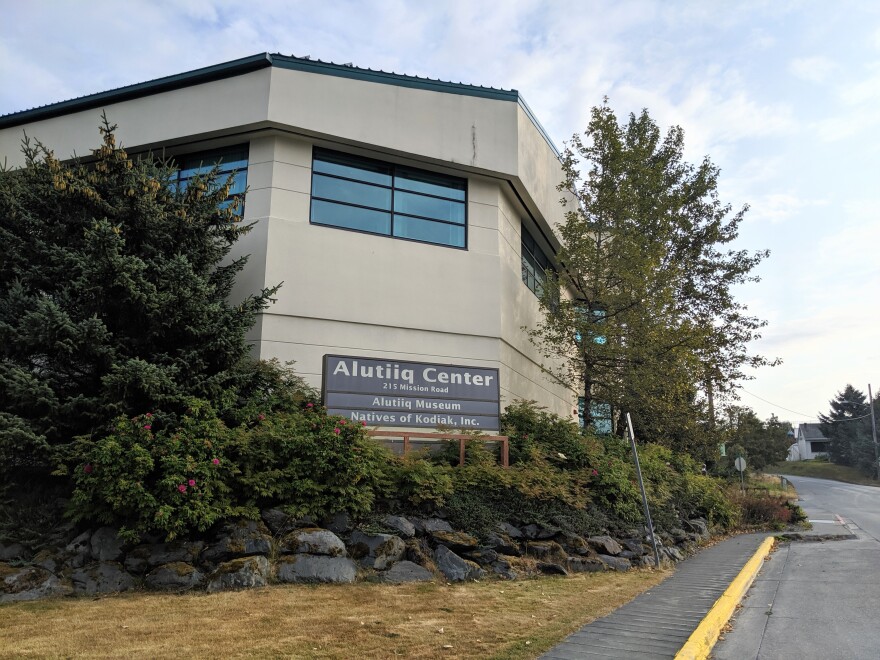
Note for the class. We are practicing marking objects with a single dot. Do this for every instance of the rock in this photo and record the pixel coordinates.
(679, 535)
(456, 540)
(545, 550)
(548, 568)
(533, 531)
(419, 552)
(483, 556)
(48, 559)
(503, 545)
(645, 561)
(574, 544)
(401, 525)
(377, 551)
(101, 578)
(278, 521)
(673, 553)
(241, 573)
(428, 525)
(699, 526)
(615, 563)
(406, 571)
(585, 565)
(316, 568)
(635, 546)
(339, 523)
(175, 575)
(142, 558)
(605, 545)
(509, 530)
(454, 568)
(240, 538)
(503, 570)
(78, 551)
(10, 551)
(105, 545)
(29, 583)
(313, 541)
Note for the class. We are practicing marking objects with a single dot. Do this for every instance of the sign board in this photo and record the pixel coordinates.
(413, 394)
(740, 464)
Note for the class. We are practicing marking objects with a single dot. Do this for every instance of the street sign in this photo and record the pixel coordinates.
(740, 464)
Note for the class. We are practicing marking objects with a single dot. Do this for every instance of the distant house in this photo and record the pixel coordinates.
(810, 443)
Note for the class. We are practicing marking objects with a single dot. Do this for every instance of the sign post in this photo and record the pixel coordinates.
(740, 464)
(632, 441)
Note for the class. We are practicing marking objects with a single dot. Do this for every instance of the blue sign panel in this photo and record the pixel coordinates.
(413, 394)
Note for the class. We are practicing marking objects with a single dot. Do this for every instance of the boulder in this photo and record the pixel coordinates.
(699, 526)
(428, 525)
(545, 550)
(509, 530)
(240, 573)
(78, 552)
(533, 531)
(401, 525)
(419, 552)
(635, 546)
(10, 551)
(101, 578)
(174, 575)
(483, 556)
(604, 545)
(19, 583)
(406, 571)
(585, 565)
(105, 545)
(339, 523)
(454, 568)
(239, 538)
(615, 563)
(377, 551)
(48, 559)
(142, 558)
(316, 568)
(313, 541)
(502, 569)
(679, 535)
(278, 521)
(673, 553)
(549, 568)
(503, 545)
(574, 544)
(456, 540)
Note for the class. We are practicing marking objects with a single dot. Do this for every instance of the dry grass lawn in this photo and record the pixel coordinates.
(434, 620)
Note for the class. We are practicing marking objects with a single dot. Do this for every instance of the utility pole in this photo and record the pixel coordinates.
(874, 433)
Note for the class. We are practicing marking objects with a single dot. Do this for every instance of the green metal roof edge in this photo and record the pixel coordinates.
(260, 61)
(177, 81)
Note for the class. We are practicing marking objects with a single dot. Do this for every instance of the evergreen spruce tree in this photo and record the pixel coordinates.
(641, 312)
(114, 297)
(848, 428)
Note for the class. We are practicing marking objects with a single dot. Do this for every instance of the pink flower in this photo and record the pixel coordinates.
(87, 468)
(215, 461)
(337, 430)
(192, 482)
(310, 405)
(261, 417)
(342, 421)
(595, 473)
(148, 426)
(148, 415)
(363, 423)
(182, 488)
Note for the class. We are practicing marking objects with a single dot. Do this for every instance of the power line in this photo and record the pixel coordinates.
(776, 405)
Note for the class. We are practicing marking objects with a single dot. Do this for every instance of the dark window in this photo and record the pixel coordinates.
(227, 160)
(534, 264)
(357, 193)
(818, 447)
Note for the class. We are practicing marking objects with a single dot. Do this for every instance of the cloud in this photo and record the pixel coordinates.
(812, 69)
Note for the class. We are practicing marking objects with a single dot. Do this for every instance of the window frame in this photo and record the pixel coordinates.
(182, 161)
(394, 171)
(526, 250)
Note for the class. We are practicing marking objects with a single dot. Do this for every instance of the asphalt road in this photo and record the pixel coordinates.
(816, 600)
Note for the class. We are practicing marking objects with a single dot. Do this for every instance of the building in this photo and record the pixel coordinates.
(409, 219)
(811, 443)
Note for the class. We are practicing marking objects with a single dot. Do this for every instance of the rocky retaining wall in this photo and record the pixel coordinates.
(278, 549)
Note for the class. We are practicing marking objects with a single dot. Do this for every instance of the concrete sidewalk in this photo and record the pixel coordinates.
(700, 594)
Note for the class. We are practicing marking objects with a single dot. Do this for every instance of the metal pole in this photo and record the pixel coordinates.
(874, 433)
(632, 441)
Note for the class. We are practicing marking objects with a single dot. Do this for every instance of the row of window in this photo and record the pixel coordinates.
(362, 194)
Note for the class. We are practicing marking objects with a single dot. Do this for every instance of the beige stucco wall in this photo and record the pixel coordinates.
(351, 293)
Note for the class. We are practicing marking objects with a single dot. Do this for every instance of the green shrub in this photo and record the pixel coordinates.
(761, 509)
(560, 440)
(149, 477)
(417, 481)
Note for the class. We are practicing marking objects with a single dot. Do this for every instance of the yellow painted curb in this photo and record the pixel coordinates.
(701, 641)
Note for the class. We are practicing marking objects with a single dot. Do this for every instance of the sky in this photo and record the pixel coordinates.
(782, 95)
